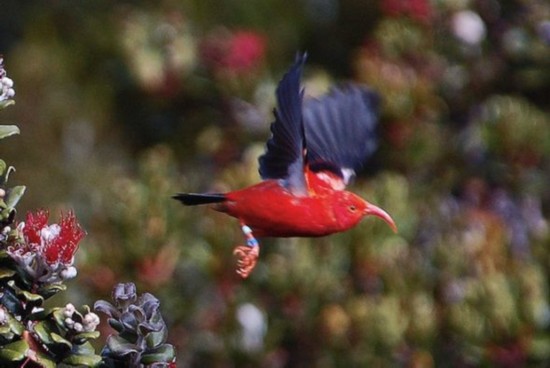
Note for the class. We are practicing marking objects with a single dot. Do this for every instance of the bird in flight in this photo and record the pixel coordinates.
(314, 151)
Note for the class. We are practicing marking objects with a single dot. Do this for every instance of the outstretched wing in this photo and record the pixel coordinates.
(284, 157)
(340, 130)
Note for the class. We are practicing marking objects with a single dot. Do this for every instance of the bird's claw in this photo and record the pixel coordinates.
(247, 255)
(247, 258)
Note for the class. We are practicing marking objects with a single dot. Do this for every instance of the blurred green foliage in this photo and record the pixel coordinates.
(122, 105)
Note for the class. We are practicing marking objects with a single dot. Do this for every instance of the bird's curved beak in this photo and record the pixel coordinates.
(378, 212)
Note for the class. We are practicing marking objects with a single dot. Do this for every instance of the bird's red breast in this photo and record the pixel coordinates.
(270, 209)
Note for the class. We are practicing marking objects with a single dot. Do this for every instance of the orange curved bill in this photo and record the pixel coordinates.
(380, 213)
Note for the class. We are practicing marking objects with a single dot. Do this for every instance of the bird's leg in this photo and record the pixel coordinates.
(247, 255)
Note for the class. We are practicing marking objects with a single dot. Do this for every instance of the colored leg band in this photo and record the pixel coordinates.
(250, 239)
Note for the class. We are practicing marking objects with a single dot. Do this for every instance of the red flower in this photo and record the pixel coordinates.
(57, 242)
(61, 248)
(34, 223)
(46, 252)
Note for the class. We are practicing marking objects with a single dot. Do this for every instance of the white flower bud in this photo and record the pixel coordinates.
(69, 310)
(69, 322)
(7, 82)
(78, 327)
(91, 320)
(68, 273)
(3, 316)
(6, 86)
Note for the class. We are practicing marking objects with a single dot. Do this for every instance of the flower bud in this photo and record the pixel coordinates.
(3, 316)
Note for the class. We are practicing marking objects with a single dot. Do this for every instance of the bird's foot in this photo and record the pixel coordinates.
(247, 258)
(247, 255)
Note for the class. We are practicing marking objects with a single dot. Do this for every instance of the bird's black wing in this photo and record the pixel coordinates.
(340, 130)
(284, 156)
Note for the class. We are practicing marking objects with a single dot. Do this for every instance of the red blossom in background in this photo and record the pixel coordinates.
(246, 50)
(159, 269)
(236, 52)
(420, 10)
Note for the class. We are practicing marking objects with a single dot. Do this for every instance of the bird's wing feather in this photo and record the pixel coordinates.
(284, 156)
(340, 130)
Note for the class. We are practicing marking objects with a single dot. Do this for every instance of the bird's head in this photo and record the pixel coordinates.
(350, 209)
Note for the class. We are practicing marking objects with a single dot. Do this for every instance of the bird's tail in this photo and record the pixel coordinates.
(193, 199)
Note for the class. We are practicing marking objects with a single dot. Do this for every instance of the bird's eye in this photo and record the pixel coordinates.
(352, 208)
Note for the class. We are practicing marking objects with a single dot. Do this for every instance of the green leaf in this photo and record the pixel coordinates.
(5, 329)
(154, 339)
(6, 214)
(43, 331)
(6, 103)
(82, 355)
(6, 273)
(15, 351)
(49, 290)
(39, 315)
(61, 340)
(15, 326)
(164, 353)
(85, 336)
(120, 346)
(116, 324)
(84, 349)
(3, 167)
(59, 316)
(8, 130)
(31, 297)
(81, 361)
(14, 195)
(6, 335)
(45, 361)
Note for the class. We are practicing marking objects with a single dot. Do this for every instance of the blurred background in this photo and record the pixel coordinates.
(121, 104)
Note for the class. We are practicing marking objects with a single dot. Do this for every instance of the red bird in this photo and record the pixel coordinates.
(315, 148)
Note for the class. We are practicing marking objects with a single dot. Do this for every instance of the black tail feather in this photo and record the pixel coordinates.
(193, 199)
